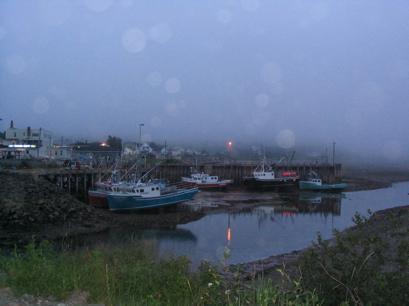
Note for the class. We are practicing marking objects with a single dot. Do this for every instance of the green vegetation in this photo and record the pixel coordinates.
(361, 265)
(130, 276)
(357, 267)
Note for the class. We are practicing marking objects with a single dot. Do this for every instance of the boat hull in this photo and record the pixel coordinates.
(98, 198)
(276, 184)
(126, 201)
(304, 185)
(204, 186)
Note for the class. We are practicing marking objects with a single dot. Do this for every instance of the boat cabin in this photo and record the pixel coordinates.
(315, 180)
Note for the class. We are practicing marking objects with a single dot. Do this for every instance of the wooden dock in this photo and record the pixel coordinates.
(78, 182)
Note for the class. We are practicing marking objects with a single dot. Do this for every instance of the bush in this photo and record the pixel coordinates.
(351, 268)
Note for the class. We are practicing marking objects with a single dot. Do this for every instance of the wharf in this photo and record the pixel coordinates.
(80, 181)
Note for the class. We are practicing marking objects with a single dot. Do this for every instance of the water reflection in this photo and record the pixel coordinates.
(257, 225)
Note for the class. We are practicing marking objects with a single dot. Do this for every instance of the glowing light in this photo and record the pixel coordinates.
(228, 235)
(22, 146)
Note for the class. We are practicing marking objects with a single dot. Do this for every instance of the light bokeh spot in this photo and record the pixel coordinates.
(54, 12)
(41, 105)
(156, 122)
(262, 100)
(270, 73)
(98, 5)
(154, 78)
(16, 64)
(319, 11)
(172, 85)
(250, 5)
(224, 16)
(133, 40)
(286, 139)
(161, 33)
(172, 109)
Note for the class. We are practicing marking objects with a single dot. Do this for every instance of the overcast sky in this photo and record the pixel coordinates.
(268, 72)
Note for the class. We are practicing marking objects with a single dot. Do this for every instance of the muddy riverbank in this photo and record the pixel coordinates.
(36, 208)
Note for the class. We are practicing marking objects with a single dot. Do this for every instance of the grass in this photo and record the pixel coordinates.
(129, 276)
(349, 271)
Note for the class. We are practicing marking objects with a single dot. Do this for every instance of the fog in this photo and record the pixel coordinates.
(270, 73)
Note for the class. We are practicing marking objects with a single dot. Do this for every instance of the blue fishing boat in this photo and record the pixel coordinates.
(149, 195)
(315, 183)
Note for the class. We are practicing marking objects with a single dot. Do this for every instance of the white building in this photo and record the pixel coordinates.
(29, 142)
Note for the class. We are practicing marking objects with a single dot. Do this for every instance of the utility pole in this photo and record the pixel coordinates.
(333, 154)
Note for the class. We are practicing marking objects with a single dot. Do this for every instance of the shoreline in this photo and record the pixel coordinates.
(38, 208)
(94, 221)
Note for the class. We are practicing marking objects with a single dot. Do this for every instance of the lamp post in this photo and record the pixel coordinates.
(140, 133)
(230, 145)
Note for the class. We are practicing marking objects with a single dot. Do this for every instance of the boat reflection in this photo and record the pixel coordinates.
(126, 234)
(201, 206)
(320, 203)
(154, 239)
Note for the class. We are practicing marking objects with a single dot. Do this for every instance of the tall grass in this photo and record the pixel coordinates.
(349, 270)
(129, 276)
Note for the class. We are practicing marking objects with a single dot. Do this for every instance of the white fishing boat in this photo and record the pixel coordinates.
(264, 178)
(205, 181)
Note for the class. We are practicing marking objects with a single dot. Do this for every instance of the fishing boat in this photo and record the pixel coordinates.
(315, 183)
(205, 181)
(98, 196)
(264, 178)
(148, 193)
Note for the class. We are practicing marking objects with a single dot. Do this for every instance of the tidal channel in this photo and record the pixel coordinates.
(257, 225)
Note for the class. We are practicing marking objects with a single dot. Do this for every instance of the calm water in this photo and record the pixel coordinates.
(263, 225)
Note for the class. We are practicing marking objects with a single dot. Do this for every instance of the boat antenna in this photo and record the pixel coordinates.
(149, 171)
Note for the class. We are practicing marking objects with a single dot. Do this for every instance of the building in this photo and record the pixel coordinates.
(26, 143)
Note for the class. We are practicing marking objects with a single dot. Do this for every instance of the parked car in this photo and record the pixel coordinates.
(74, 164)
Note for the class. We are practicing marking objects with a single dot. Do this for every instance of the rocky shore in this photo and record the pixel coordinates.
(37, 208)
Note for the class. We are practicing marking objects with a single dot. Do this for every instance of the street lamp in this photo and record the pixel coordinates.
(230, 145)
(140, 133)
